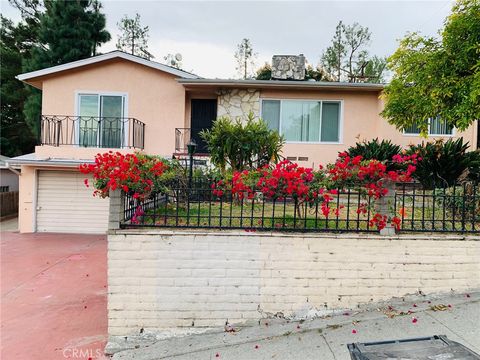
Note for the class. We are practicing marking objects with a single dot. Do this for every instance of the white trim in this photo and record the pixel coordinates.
(454, 132)
(124, 96)
(35, 199)
(104, 57)
(340, 125)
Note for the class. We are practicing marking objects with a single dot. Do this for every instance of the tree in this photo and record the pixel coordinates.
(245, 58)
(133, 37)
(347, 58)
(332, 58)
(437, 76)
(265, 72)
(16, 137)
(67, 31)
(317, 73)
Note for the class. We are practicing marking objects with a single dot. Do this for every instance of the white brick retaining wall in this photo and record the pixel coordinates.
(161, 280)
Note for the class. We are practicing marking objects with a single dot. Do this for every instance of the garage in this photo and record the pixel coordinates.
(65, 204)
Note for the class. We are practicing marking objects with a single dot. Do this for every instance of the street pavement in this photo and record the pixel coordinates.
(455, 315)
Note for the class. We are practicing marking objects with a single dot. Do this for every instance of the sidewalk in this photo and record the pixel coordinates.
(326, 338)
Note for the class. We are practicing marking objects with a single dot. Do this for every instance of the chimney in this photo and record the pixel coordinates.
(288, 67)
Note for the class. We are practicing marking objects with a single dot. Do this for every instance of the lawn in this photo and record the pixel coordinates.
(423, 211)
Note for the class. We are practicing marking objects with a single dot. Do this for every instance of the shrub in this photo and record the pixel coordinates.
(473, 163)
(138, 174)
(460, 200)
(312, 188)
(242, 145)
(374, 149)
(442, 163)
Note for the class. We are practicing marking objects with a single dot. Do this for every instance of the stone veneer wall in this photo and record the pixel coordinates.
(169, 280)
(238, 103)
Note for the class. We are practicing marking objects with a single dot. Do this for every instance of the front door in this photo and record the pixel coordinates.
(204, 111)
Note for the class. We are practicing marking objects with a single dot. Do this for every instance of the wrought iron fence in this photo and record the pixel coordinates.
(446, 209)
(91, 131)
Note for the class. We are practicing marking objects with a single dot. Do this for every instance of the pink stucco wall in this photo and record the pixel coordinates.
(158, 100)
(360, 121)
(153, 97)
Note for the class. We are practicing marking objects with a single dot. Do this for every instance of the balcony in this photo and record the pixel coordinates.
(90, 131)
(183, 137)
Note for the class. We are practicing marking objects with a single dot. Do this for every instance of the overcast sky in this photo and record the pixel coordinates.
(206, 33)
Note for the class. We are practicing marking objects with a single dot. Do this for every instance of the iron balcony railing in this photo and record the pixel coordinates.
(183, 137)
(92, 131)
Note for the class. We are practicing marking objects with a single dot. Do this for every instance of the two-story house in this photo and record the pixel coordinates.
(117, 101)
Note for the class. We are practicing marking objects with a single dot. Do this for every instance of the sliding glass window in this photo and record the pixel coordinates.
(303, 120)
(101, 120)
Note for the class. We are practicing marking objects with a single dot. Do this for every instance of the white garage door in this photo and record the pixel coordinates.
(65, 204)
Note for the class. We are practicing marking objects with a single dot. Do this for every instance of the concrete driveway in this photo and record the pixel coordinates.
(53, 296)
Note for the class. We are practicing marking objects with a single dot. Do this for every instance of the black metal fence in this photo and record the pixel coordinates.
(447, 209)
(91, 131)
(453, 208)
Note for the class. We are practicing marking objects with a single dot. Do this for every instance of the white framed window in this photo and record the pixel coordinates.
(102, 119)
(436, 127)
(304, 121)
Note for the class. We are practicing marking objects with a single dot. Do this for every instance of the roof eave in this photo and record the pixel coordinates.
(280, 84)
(99, 58)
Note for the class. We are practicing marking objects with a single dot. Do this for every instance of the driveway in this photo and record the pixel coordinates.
(53, 296)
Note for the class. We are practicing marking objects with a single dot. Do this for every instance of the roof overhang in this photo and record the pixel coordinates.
(31, 159)
(31, 76)
(279, 84)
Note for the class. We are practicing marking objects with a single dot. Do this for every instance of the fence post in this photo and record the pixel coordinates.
(385, 206)
(116, 210)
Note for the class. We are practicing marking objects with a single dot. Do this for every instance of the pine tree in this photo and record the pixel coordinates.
(68, 30)
(133, 37)
(245, 59)
(16, 137)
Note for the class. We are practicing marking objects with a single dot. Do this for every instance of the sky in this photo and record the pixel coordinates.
(206, 33)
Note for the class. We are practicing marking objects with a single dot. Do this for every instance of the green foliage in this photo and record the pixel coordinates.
(460, 201)
(245, 58)
(66, 31)
(442, 163)
(438, 77)
(242, 144)
(375, 150)
(133, 37)
(314, 73)
(347, 58)
(473, 162)
(16, 136)
(318, 73)
(265, 72)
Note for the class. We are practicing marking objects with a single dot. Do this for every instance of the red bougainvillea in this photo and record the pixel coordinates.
(136, 173)
(309, 187)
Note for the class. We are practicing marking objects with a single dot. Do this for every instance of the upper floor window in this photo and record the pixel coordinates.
(304, 120)
(101, 120)
(436, 127)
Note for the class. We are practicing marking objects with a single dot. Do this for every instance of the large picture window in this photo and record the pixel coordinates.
(304, 120)
(101, 120)
(436, 127)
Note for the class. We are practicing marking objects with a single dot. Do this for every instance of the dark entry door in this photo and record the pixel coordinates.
(204, 111)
